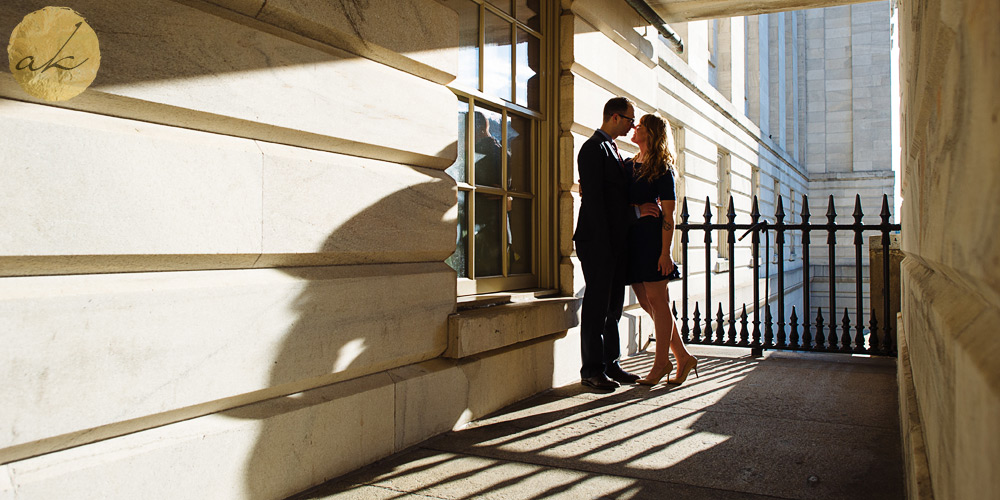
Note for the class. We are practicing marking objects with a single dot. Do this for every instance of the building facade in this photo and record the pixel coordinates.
(276, 241)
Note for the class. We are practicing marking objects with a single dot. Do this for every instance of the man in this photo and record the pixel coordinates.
(601, 238)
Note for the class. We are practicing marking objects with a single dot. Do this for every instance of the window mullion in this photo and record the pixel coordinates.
(504, 215)
(470, 217)
(470, 194)
(482, 47)
(534, 231)
(513, 63)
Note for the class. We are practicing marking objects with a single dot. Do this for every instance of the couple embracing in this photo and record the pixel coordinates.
(623, 236)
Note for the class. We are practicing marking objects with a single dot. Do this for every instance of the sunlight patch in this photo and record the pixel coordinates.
(348, 353)
(680, 450)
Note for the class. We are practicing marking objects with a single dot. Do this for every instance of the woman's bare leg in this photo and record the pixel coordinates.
(663, 323)
(640, 295)
(683, 358)
(681, 353)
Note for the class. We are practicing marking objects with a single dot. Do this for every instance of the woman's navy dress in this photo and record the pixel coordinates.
(645, 237)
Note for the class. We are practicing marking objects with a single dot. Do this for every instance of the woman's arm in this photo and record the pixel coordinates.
(666, 262)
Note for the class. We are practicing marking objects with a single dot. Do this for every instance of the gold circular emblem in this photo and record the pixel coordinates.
(54, 54)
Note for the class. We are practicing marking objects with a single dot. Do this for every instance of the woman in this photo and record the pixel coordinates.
(650, 240)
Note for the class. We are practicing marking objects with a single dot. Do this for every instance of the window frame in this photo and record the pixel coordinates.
(724, 189)
(540, 150)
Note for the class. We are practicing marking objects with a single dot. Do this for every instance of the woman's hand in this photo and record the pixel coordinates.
(665, 265)
(649, 209)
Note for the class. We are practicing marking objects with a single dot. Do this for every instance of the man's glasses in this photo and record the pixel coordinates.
(631, 121)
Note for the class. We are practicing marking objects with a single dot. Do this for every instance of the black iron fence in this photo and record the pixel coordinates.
(781, 331)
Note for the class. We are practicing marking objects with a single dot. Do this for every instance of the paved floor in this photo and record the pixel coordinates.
(791, 426)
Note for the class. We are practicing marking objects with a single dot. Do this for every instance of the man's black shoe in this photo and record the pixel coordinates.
(600, 382)
(622, 377)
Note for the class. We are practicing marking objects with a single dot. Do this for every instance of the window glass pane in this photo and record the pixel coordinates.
(457, 170)
(488, 227)
(497, 55)
(528, 64)
(527, 13)
(519, 237)
(459, 261)
(519, 157)
(503, 5)
(468, 41)
(488, 150)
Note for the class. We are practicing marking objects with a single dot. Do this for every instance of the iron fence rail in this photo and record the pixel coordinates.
(821, 336)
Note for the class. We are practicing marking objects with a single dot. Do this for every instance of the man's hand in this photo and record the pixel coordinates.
(651, 208)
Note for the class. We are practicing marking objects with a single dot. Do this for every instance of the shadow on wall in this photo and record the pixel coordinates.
(171, 41)
(352, 321)
(743, 428)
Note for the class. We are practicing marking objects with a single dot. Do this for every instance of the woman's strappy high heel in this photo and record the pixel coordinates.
(683, 371)
(653, 379)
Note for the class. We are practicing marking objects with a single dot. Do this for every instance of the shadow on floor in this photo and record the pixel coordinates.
(784, 426)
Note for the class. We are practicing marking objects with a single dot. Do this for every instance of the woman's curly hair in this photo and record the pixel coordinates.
(660, 148)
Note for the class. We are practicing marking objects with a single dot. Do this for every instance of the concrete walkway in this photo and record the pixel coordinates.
(784, 426)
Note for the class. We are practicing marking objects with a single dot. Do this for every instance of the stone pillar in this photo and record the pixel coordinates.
(870, 86)
(839, 117)
(800, 85)
(877, 280)
(815, 91)
(764, 62)
(724, 57)
(948, 370)
(791, 79)
(775, 76)
(737, 61)
(752, 70)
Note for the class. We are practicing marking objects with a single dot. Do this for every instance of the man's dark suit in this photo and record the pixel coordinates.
(601, 240)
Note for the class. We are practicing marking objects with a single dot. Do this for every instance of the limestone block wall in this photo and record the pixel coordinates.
(950, 379)
(221, 269)
(846, 141)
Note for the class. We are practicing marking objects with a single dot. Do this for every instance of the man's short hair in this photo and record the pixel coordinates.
(616, 105)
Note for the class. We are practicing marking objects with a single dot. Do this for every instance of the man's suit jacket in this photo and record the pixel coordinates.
(605, 213)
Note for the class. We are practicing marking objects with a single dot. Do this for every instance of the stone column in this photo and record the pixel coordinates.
(815, 91)
(870, 85)
(791, 79)
(752, 69)
(737, 61)
(839, 116)
(802, 102)
(724, 57)
(776, 73)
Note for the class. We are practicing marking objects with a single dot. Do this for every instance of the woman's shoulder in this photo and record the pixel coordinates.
(668, 174)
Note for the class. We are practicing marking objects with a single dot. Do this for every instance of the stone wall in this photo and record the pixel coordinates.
(847, 141)
(950, 378)
(221, 269)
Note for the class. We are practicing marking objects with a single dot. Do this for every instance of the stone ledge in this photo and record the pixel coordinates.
(416, 36)
(917, 475)
(474, 331)
(499, 298)
(176, 65)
